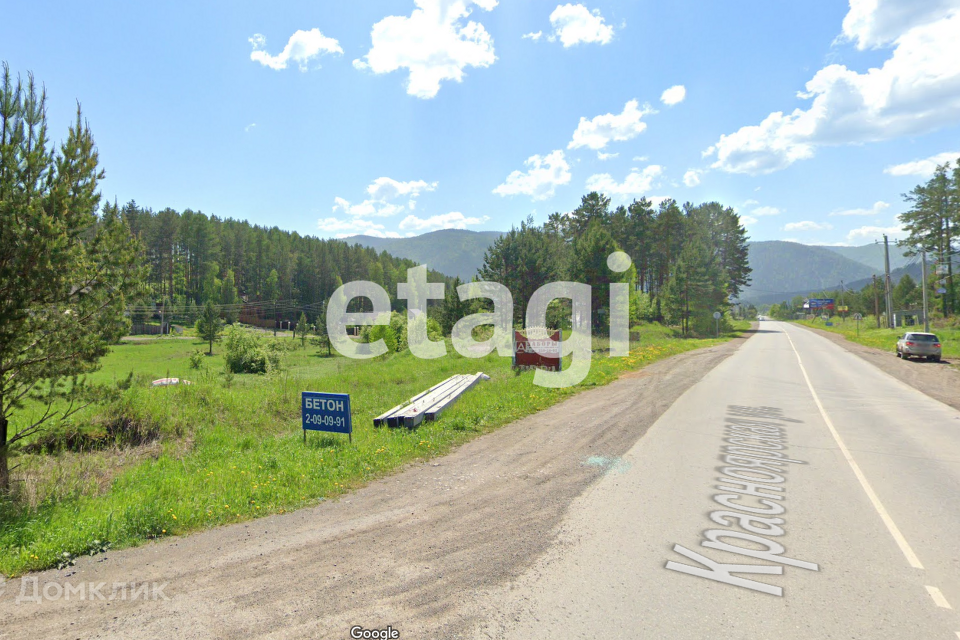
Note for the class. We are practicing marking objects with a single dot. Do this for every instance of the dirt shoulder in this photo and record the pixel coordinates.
(939, 380)
(408, 551)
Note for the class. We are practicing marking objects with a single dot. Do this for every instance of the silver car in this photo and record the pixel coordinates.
(919, 345)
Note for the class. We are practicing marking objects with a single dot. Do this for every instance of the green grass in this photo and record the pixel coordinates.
(886, 339)
(232, 453)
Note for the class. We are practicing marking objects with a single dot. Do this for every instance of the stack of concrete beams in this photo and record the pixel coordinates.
(429, 404)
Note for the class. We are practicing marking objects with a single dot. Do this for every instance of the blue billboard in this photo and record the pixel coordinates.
(328, 412)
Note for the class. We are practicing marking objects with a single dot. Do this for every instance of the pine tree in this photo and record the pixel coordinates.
(229, 298)
(209, 325)
(65, 274)
(302, 329)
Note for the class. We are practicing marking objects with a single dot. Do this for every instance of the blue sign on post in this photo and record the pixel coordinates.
(326, 412)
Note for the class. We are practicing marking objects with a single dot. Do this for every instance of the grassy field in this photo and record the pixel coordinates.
(885, 339)
(227, 449)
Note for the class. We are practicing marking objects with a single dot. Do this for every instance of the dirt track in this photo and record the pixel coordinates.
(409, 551)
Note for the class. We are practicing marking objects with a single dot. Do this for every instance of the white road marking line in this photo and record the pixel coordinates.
(938, 598)
(884, 515)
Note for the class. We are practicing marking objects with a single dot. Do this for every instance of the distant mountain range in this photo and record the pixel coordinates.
(455, 252)
(781, 270)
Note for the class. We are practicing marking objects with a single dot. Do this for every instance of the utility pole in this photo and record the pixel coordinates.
(923, 281)
(889, 293)
(876, 301)
(843, 314)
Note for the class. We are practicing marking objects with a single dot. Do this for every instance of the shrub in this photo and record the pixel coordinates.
(196, 359)
(248, 353)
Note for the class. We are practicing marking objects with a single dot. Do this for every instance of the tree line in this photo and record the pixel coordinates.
(193, 258)
(933, 223)
(689, 261)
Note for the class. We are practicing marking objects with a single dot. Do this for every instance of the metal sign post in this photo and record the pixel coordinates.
(328, 412)
(858, 317)
(716, 316)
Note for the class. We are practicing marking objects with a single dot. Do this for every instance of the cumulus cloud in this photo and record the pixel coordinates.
(533, 36)
(766, 211)
(748, 220)
(389, 189)
(877, 208)
(636, 183)
(807, 225)
(453, 220)
(875, 233)
(925, 167)
(915, 91)
(606, 156)
(381, 192)
(345, 228)
(674, 95)
(692, 177)
(302, 47)
(874, 23)
(601, 130)
(574, 24)
(433, 44)
(543, 175)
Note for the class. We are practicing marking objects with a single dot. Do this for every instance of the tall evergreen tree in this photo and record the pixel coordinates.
(65, 274)
(209, 325)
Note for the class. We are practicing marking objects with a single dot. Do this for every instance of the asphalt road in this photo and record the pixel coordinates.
(861, 538)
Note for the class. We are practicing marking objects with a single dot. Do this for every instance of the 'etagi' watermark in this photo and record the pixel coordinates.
(417, 292)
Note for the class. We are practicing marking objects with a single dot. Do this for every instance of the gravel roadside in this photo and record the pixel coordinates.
(410, 550)
(939, 380)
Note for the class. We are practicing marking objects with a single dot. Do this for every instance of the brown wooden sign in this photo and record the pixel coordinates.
(525, 351)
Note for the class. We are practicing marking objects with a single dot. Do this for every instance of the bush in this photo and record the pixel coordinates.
(248, 353)
(196, 359)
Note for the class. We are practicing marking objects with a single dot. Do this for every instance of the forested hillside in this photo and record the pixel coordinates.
(789, 267)
(194, 258)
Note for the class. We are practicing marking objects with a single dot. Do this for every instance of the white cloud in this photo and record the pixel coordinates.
(748, 220)
(636, 183)
(915, 91)
(344, 228)
(877, 208)
(674, 95)
(874, 23)
(302, 47)
(766, 211)
(606, 156)
(574, 23)
(640, 158)
(544, 174)
(381, 192)
(925, 167)
(598, 132)
(388, 188)
(807, 225)
(692, 177)
(709, 151)
(750, 203)
(874, 233)
(250, 127)
(533, 36)
(453, 220)
(432, 43)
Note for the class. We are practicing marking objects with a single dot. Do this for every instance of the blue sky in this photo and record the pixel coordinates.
(399, 117)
